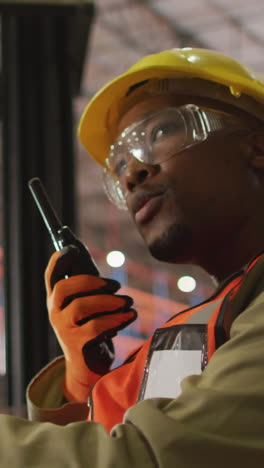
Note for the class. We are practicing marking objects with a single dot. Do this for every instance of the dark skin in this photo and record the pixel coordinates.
(209, 203)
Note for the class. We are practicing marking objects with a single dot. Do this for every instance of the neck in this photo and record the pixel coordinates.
(227, 261)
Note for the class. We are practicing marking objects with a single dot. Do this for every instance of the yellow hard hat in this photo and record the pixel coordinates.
(97, 128)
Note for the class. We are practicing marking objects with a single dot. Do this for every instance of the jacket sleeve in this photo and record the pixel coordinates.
(45, 399)
(218, 420)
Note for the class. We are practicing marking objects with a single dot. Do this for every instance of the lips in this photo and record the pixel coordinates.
(145, 206)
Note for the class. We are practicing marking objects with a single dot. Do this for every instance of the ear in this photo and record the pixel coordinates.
(256, 144)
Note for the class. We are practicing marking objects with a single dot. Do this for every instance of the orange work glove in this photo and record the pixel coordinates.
(85, 314)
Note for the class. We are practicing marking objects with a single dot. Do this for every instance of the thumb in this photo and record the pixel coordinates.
(63, 265)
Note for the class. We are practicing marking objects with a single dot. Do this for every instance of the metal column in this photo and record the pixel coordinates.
(40, 71)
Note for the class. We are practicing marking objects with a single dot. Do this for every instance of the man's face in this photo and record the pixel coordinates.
(193, 203)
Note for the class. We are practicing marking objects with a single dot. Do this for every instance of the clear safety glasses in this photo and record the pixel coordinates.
(158, 137)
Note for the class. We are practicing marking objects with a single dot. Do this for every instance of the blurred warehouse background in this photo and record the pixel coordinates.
(120, 33)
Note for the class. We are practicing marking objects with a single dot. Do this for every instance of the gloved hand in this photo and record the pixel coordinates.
(85, 314)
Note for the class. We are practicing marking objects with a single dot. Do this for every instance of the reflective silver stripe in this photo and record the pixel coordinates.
(203, 316)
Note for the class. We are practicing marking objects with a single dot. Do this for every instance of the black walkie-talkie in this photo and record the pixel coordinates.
(61, 235)
(99, 356)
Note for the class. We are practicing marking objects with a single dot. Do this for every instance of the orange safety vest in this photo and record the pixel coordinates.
(157, 368)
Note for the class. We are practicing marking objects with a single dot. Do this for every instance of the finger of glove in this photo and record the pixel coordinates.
(99, 328)
(108, 326)
(81, 285)
(85, 308)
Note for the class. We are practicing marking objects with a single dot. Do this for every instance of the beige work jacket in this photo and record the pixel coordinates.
(217, 421)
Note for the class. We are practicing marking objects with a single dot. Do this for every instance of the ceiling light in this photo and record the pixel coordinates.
(115, 258)
(186, 283)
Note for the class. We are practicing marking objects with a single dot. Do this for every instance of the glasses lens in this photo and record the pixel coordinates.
(165, 135)
(153, 140)
(113, 190)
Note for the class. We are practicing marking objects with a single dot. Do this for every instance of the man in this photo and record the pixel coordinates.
(180, 138)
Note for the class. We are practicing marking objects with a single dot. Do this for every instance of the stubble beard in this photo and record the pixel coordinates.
(173, 245)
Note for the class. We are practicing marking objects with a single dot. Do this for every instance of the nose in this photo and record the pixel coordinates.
(136, 173)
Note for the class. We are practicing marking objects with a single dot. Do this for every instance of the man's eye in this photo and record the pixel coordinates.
(119, 166)
(164, 130)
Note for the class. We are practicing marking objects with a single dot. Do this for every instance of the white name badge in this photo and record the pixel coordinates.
(167, 369)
